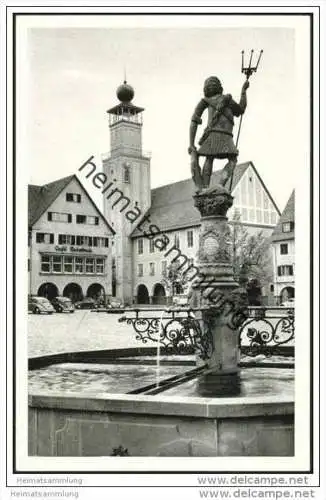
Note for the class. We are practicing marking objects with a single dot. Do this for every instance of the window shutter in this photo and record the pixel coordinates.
(96, 221)
(51, 238)
(78, 198)
(69, 218)
(49, 215)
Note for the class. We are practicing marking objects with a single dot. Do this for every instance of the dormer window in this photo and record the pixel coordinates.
(126, 173)
(287, 227)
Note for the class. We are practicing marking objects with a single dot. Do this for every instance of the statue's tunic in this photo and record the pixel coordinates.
(217, 140)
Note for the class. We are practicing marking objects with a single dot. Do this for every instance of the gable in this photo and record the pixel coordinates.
(52, 198)
(252, 201)
(288, 215)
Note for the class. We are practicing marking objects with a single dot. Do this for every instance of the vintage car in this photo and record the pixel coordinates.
(38, 305)
(63, 304)
(288, 303)
(114, 306)
(180, 300)
(86, 303)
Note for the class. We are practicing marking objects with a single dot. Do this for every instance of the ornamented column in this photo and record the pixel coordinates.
(216, 291)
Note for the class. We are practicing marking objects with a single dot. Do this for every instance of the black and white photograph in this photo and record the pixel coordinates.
(163, 171)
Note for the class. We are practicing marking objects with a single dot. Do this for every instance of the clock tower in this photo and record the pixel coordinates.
(128, 168)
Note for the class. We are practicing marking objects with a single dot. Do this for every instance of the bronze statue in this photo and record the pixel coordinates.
(217, 139)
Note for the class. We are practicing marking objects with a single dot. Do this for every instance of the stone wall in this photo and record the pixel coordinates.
(153, 426)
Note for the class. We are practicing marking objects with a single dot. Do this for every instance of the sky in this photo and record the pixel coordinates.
(73, 74)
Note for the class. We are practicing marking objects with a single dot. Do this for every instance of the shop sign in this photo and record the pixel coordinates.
(65, 248)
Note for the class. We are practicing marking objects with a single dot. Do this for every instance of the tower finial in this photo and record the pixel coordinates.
(125, 75)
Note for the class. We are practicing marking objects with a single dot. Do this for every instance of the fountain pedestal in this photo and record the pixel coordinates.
(223, 303)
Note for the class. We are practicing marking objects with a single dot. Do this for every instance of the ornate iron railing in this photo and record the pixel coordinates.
(177, 330)
(181, 331)
(267, 330)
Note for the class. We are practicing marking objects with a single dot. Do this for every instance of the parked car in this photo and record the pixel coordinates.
(180, 300)
(86, 303)
(114, 305)
(288, 303)
(38, 305)
(63, 304)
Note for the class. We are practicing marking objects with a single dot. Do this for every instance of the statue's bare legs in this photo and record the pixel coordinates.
(228, 169)
(207, 171)
(202, 177)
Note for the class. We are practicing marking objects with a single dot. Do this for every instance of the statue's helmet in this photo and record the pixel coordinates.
(212, 86)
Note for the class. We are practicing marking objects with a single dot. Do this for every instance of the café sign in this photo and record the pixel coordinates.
(65, 248)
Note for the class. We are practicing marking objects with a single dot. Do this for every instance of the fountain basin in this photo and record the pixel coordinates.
(175, 422)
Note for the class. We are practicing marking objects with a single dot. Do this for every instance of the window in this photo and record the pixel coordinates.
(81, 219)
(99, 266)
(176, 240)
(79, 265)
(91, 241)
(151, 268)
(59, 217)
(287, 227)
(89, 266)
(126, 173)
(44, 238)
(66, 239)
(87, 219)
(29, 238)
(273, 218)
(285, 270)
(164, 266)
(67, 264)
(57, 263)
(45, 263)
(73, 197)
(284, 248)
(190, 238)
(151, 246)
(140, 270)
(140, 245)
(28, 265)
(92, 220)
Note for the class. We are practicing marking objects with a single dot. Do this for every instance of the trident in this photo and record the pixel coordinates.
(248, 71)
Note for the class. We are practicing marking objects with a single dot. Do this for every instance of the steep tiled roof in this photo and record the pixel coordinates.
(172, 206)
(41, 197)
(288, 215)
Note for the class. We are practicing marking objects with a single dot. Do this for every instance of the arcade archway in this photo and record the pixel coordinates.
(142, 295)
(159, 296)
(96, 291)
(287, 293)
(48, 290)
(73, 291)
